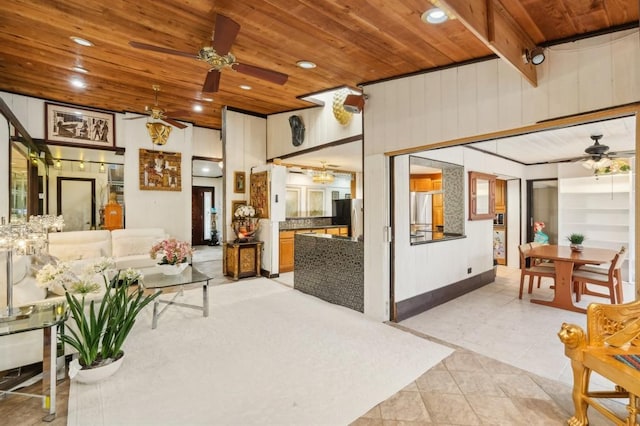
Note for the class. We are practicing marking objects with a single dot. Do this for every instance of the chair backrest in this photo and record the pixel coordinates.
(524, 254)
(616, 263)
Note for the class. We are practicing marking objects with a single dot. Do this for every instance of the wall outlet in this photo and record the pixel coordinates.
(468, 270)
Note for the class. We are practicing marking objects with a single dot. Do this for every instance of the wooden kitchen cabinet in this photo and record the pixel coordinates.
(420, 183)
(286, 251)
(501, 195)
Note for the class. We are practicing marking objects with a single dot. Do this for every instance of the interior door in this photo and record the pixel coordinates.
(542, 206)
(77, 203)
(201, 204)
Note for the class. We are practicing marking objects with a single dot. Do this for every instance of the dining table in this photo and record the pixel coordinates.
(566, 260)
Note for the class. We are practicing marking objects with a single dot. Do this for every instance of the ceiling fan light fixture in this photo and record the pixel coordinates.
(323, 176)
(535, 56)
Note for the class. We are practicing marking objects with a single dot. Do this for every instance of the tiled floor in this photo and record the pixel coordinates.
(508, 367)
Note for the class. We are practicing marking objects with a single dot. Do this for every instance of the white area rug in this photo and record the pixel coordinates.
(267, 354)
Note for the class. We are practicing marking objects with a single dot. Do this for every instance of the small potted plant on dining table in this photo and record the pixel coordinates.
(576, 240)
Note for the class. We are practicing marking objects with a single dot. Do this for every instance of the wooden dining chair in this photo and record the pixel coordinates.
(610, 278)
(529, 269)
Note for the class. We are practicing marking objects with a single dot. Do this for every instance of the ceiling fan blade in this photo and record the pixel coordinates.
(177, 113)
(212, 82)
(262, 73)
(135, 118)
(161, 49)
(174, 123)
(225, 34)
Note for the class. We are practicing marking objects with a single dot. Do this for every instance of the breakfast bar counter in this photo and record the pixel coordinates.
(330, 267)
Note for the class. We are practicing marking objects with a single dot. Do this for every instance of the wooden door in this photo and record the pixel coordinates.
(201, 204)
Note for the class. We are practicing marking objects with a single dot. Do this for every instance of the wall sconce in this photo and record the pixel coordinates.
(81, 165)
(58, 164)
(535, 56)
(102, 169)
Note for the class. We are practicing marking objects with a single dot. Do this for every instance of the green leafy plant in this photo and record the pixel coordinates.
(102, 331)
(576, 238)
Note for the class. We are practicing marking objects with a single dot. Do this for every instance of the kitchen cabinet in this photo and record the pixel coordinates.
(287, 244)
(501, 195)
(420, 183)
(437, 217)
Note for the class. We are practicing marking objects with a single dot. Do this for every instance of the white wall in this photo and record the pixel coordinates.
(4, 167)
(472, 100)
(321, 128)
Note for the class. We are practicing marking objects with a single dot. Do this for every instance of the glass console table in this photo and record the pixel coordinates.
(46, 317)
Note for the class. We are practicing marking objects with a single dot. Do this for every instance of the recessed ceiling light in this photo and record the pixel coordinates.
(207, 99)
(80, 69)
(197, 108)
(81, 41)
(245, 87)
(76, 82)
(205, 169)
(434, 15)
(306, 64)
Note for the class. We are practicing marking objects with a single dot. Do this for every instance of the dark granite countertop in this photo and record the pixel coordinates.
(296, 226)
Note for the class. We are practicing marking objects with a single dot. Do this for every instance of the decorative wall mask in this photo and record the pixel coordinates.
(297, 130)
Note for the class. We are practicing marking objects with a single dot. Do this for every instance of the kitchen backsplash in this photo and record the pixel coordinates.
(305, 222)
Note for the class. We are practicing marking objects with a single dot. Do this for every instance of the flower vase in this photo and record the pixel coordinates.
(92, 375)
(175, 269)
(576, 247)
(245, 229)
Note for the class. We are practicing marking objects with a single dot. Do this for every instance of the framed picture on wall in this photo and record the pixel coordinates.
(315, 202)
(235, 204)
(259, 194)
(239, 182)
(70, 125)
(160, 171)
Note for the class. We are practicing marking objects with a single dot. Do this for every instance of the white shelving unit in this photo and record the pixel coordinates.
(601, 208)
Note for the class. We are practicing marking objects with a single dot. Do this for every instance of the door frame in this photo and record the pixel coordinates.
(202, 189)
(61, 179)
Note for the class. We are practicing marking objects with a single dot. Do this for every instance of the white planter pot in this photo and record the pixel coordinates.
(173, 269)
(92, 375)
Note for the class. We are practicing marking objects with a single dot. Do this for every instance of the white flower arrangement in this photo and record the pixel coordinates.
(99, 266)
(244, 212)
(60, 278)
(55, 276)
(130, 275)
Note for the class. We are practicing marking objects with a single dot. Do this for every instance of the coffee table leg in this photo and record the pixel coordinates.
(49, 374)
(205, 299)
(154, 321)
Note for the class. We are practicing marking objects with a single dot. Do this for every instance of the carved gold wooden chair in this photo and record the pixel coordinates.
(610, 278)
(611, 348)
(529, 269)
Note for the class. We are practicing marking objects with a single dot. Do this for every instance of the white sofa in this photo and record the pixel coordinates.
(128, 247)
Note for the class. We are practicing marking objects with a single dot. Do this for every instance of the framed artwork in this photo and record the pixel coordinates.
(69, 125)
(235, 204)
(160, 171)
(315, 202)
(239, 183)
(259, 194)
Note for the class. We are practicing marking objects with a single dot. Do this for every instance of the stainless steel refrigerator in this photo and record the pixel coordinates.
(349, 212)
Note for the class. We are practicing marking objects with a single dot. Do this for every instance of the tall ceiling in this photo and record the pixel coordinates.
(352, 42)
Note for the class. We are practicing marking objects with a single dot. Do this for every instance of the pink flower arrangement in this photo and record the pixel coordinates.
(172, 250)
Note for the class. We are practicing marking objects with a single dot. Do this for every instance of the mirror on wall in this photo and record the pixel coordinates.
(436, 209)
(482, 196)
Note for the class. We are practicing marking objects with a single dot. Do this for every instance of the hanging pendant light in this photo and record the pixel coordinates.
(323, 176)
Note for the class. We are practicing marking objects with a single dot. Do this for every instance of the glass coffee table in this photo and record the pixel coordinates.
(46, 317)
(157, 282)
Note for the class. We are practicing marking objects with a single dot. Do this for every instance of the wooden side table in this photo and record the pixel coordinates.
(241, 260)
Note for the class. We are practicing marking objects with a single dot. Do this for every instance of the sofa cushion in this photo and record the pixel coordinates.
(74, 245)
(130, 242)
(136, 261)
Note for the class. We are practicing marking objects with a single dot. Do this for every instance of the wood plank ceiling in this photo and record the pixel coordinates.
(352, 42)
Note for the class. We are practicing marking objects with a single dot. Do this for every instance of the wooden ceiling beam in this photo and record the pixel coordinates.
(490, 22)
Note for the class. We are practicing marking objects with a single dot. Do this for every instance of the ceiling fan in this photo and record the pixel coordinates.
(218, 56)
(157, 113)
(599, 156)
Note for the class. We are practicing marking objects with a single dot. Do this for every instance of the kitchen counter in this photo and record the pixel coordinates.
(330, 267)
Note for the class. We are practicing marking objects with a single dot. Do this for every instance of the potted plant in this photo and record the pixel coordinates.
(175, 255)
(576, 240)
(98, 332)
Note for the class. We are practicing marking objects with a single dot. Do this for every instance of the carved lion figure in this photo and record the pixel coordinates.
(571, 335)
